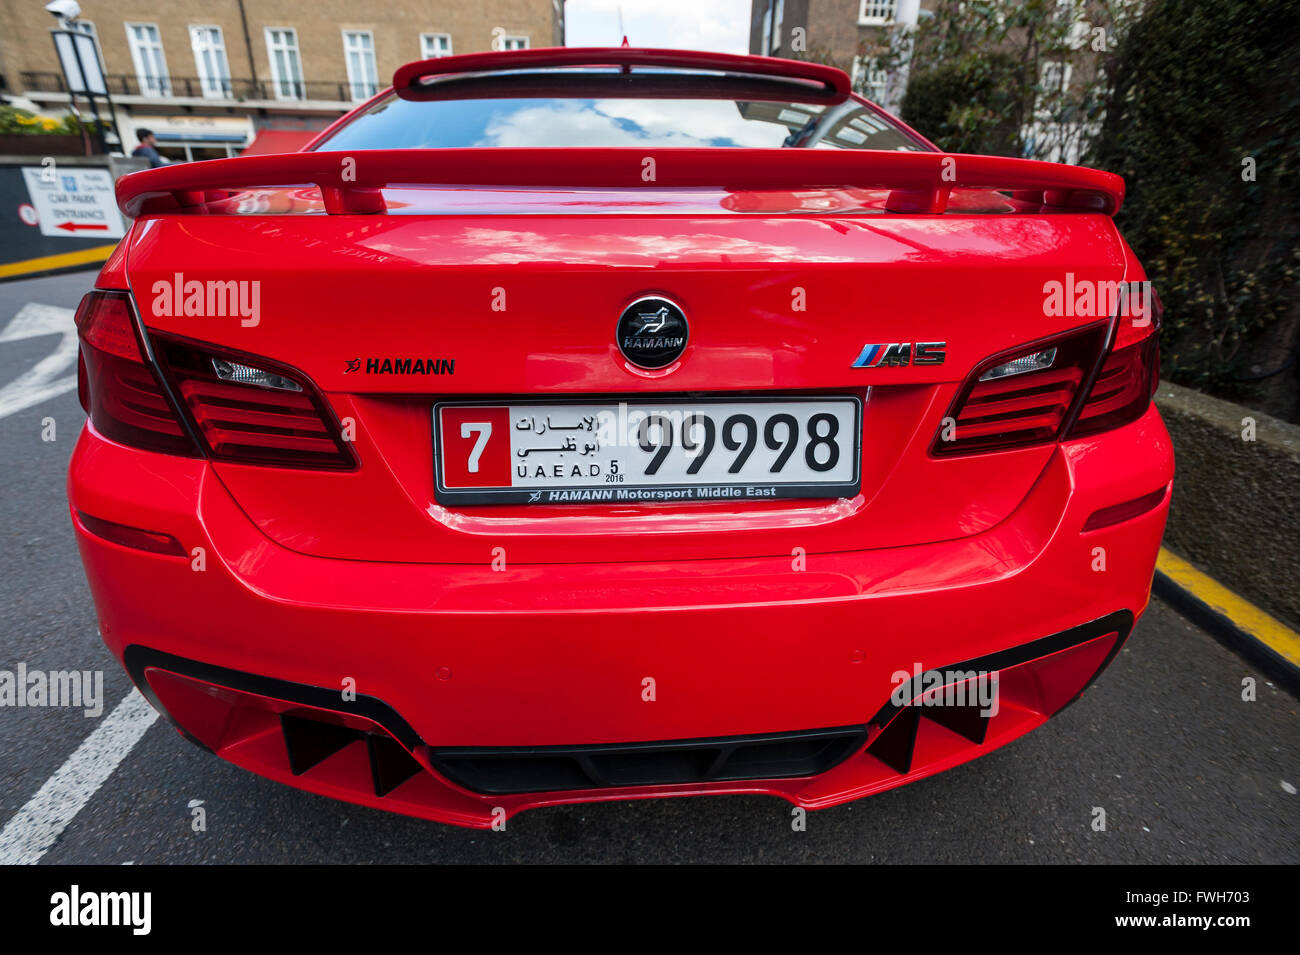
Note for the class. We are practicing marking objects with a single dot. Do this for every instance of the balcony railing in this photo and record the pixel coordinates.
(164, 87)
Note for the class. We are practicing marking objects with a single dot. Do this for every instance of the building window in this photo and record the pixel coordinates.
(88, 28)
(1055, 77)
(210, 58)
(434, 45)
(514, 43)
(876, 12)
(359, 52)
(286, 68)
(870, 79)
(147, 56)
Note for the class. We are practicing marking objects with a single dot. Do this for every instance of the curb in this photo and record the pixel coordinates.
(1232, 620)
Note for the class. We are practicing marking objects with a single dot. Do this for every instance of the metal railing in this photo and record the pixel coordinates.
(171, 87)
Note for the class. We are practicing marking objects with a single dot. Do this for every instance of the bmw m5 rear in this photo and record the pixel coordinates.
(569, 425)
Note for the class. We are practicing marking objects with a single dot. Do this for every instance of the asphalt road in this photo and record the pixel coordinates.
(1186, 770)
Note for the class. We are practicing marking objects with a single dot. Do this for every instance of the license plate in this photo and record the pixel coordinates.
(630, 452)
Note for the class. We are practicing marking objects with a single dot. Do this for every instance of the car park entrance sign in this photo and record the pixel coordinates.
(74, 202)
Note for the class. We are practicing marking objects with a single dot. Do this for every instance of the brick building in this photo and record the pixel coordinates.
(845, 33)
(209, 76)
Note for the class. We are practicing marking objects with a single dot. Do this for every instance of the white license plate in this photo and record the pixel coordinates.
(628, 452)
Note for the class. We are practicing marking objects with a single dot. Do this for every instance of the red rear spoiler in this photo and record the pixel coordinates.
(350, 182)
(411, 74)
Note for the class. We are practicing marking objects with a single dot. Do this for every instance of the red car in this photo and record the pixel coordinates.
(587, 424)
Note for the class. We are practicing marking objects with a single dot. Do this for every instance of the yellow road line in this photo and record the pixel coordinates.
(61, 261)
(1268, 630)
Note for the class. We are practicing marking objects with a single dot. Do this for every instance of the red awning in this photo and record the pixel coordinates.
(279, 141)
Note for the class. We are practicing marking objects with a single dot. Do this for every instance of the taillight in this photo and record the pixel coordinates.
(1029, 394)
(1023, 396)
(250, 410)
(117, 387)
(1128, 378)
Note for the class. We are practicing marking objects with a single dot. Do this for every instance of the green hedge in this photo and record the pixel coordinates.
(1198, 89)
(969, 105)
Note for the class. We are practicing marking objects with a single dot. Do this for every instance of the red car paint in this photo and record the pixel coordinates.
(329, 622)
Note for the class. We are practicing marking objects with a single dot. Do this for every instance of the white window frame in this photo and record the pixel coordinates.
(864, 71)
(877, 13)
(361, 88)
(218, 86)
(279, 82)
(150, 85)
(520, 42)
(429, 45)
(1055, 76)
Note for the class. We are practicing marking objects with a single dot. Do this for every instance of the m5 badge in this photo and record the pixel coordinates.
(901, 353)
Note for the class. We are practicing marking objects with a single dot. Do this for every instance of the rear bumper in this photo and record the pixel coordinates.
(473, 663)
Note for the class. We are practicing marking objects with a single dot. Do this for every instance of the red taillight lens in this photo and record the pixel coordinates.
(1128, 379)
(1123, 389)
(249, 410)
(1021, 397)
(118, 389)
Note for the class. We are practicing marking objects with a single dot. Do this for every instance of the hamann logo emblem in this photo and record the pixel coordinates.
(652, 332)
(401, 366)
(901, 353)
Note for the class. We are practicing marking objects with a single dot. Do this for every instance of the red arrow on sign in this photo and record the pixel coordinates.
(74, 227)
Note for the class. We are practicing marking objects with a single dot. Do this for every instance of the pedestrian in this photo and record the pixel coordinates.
(148, 148)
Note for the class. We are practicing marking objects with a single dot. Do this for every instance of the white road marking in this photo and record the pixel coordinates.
(48, 378)
(35, 828)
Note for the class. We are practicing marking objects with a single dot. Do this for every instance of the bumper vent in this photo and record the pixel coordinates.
(308, 742)
(500, 770)
(895, 746)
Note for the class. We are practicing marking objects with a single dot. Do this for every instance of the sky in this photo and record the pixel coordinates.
(716, 25)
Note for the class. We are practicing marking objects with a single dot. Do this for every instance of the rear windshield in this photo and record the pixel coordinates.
(592, 109)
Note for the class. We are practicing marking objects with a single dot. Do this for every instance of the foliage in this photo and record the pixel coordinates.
(1015, 79)
(970, 105)
(1196, 105)
(1204, 96)
(14, 120)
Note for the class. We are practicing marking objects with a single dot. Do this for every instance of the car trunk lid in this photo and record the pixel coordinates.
(391, 312)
